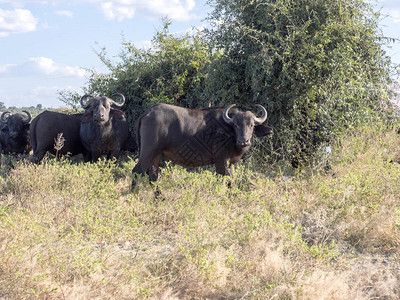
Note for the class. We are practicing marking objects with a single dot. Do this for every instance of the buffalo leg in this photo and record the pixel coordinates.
(153, 175)
(138, 171)
(150, 169)
(37, 157)
(153, 169)
(95, 156)
(114, 154)
(87, 156)
(221, 167)
(224, 169)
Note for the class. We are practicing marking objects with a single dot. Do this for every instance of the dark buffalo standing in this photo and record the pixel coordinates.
(45, 129)
(14, 132)
(195, 137)
(104, 129)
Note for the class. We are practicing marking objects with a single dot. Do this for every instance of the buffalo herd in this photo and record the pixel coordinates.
(188, 137)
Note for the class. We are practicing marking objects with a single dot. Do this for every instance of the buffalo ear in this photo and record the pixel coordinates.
(116, 113)
(262, 130)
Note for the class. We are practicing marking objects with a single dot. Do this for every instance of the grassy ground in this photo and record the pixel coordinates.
(76, 231)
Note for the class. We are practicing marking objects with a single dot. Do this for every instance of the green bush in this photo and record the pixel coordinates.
(316, 65)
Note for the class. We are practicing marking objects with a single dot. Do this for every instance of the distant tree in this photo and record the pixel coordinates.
(71, 99)
(39, 106)
(2, 106)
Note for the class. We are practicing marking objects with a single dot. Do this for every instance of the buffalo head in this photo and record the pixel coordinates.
(245, 124)
(100, 107)
(15, 130)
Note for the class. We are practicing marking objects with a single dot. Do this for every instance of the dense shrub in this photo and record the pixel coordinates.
(316, 65)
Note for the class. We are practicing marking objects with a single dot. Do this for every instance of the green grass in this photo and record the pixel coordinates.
(76, 231)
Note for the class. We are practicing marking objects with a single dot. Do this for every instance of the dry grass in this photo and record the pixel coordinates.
(75, 231)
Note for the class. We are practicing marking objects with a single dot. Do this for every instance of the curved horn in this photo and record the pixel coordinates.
(264, 116)
(82, 101)
(121, 99)
(225, 115)
(28, 118)
(4, 116)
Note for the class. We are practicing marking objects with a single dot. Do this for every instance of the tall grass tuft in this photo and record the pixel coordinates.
(76, 231)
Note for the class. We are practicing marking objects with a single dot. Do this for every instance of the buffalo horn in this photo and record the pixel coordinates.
(121, 99)
(82, 101)
(4, 116)
(225, 115)
(28, 118)
(263, 118)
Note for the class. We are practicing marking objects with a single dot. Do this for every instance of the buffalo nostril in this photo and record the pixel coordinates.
(243, 142)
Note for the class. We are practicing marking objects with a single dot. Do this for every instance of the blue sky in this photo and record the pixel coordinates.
(45, 46)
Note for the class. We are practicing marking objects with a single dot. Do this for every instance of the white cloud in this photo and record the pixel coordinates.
(174, 9)
(126, 9)
(5, 68)
(16, 21)
(394, 15)
(27, 96)
(64, 13)
(41, 66)
(52, 91)
(47, 66)
(119, 11)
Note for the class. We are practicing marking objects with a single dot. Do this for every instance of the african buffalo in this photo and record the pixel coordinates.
(45, 129)
(195, 137)
(14, 132)
(104, 129)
